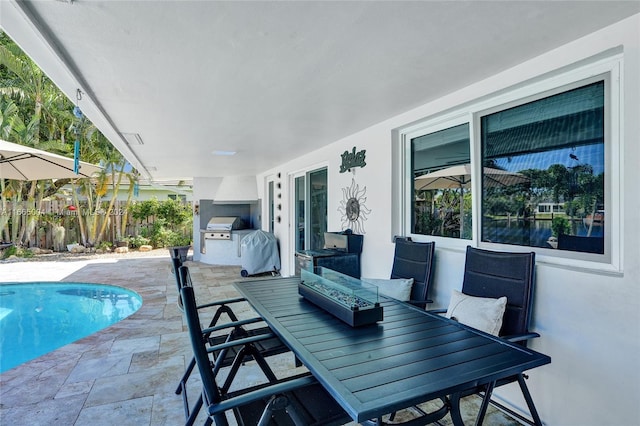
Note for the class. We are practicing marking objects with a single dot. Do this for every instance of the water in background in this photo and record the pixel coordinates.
(532, 233)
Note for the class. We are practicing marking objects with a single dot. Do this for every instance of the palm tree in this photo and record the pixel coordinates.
(8, 110)
(35, 113)
(26, 87)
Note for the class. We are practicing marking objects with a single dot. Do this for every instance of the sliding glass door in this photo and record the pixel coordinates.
(310, 209)
(299, 231)
(317, 208)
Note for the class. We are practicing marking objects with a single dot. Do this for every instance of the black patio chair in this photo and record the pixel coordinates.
(414, 260)
(494, 274)
(499, 273)
(582, 244)
(180, 252)
(242, 344)
(298, 400)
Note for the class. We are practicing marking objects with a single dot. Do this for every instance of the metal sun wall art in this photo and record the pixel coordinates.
(352, 207)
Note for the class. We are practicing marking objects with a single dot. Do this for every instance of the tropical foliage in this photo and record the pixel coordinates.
(577, 188)
(171, 225)
(33, 112)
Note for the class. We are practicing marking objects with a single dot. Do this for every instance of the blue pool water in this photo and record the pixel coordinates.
(37, 318)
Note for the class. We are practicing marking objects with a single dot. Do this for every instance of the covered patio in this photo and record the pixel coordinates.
(251, 101)
(127, 374)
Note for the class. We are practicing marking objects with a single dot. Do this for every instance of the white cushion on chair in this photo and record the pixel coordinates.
(481, 313)
(398, 288)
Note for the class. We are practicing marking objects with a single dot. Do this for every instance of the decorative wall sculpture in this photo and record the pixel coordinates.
(353, 209)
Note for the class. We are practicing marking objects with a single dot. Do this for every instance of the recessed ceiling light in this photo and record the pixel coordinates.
(224, 153)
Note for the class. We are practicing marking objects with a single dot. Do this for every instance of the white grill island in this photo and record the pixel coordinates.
(223, 251)
(222, 238)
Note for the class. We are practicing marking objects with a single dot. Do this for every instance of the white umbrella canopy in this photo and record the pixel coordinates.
(459, 176)
(21, 162)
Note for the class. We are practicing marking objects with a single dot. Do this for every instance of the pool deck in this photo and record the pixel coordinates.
(127, 373)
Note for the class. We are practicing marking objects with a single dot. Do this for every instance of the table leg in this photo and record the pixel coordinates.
(454, 411)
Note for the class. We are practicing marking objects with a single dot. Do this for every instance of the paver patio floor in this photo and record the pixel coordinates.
(127, 373)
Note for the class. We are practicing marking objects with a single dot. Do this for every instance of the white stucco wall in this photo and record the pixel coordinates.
(589, 321)
(203, 189)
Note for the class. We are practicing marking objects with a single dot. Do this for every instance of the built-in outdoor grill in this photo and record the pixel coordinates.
(220, 227)
(341, 253)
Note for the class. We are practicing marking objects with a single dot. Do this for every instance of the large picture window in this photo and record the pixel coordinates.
(543, 179)
(536, 167)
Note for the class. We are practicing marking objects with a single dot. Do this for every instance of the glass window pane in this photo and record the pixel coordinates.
(544, 171)
(272, 205)
(442, 183)
(317, 208)
(299, 213)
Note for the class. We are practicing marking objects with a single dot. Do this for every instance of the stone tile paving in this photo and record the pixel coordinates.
(126, 374)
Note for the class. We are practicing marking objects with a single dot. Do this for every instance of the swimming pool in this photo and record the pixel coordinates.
(37, 318)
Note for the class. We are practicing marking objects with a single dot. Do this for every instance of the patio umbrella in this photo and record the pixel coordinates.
(21, 162)
(459, 177)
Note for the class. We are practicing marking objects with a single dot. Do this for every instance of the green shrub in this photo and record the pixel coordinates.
(104, 245)
(138, 240)
(175, 239)
(171, 226)
(560, 225)
(16, 251)
(9, 251)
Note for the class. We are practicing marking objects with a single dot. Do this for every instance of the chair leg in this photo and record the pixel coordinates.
(238, 361)
(485, 403)
(265, 418)
(528, 399)
(190, 413)
(191, 418)
(223, 309)
(527, 396)
(185, 376)
(280, 403)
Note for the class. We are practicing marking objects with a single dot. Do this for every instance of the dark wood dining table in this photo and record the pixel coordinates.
(410, 357)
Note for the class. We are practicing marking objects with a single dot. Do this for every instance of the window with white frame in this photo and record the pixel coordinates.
(533, 168)
(441, 178)
(549, 151)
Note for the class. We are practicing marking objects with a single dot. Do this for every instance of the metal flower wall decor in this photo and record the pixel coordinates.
(352, 207)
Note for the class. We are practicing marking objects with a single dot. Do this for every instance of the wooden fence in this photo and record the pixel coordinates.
(51, 214)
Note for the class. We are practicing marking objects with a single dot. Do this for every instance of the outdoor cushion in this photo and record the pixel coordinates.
(481, 313)
(398, 288)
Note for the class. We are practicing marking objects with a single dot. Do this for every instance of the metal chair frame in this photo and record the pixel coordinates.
(282, 399)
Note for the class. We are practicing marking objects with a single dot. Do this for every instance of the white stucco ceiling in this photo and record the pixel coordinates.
(275, 80)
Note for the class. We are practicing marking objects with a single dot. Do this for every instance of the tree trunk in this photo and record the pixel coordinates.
(114, 195)
(4, 217)
(125, 215)
(80, 216)
(593, 217)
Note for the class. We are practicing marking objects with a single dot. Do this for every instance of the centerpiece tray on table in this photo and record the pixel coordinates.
(347, 298)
